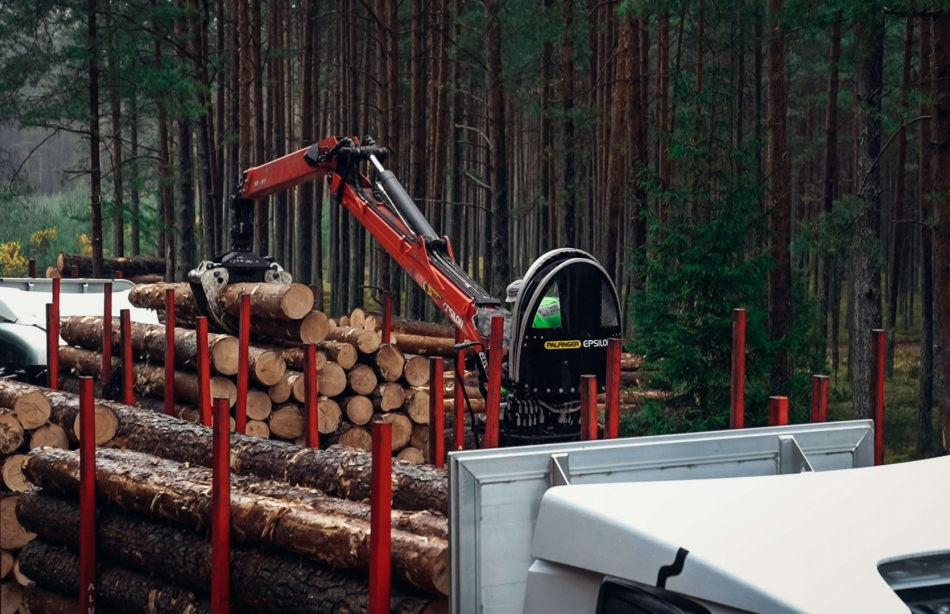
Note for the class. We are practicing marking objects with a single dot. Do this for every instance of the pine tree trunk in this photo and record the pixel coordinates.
(95, 174)
(941, 232)
(135, 205)
(777, 200)
(115, 104)
(925, 180)
(900, 189)
(865, 269)
(566, 230)
(498, 156)
(616, 155)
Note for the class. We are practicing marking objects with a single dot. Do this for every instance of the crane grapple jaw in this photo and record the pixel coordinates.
(211, 277)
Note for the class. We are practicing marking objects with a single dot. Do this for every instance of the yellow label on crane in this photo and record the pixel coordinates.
(562, 345)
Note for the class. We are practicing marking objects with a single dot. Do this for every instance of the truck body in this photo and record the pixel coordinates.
(780, 519)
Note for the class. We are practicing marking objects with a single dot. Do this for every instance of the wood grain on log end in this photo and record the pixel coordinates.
(416, 371)
(259, 405)
(12, 434)
(106, 424)
(32, 410)
(314, 327)
(49, 435)
(13, 473)
(12, 534)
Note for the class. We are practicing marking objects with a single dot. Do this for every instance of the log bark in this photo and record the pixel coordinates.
(337, 471)
(416, 371)
(269, 301)
(129, 267)
(150, 380)
(148, 343)
(388, 396)
(152, 296)
(362, 379)
(39, 600)
(389, 362)
(134, 483)
(312, 328)
(294, 356)
(351, 436)
(365, 341)
(67, 420)
(358, 409)
(424, 346)
(416, 327)
(117, 589)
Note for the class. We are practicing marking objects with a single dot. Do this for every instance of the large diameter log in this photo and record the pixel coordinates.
(388, 396)
(337, 471)
(312, 328)
(331, 379)
(257, 428)
(182, 494)
(59, 471)
(117, 589)
(258, 405)
(265, 367)
(362, 379)
(287, 422)
(365, 341)
(32, 410)
(148, 342)
(294, 355)
(416, 405)
(68, 421)
(49, 435)
(269, 301)
(416, 371)
(411, 455)
(129, 267)
(13, 535)
(424, 346)
(358, 409)
(270, 581)
(13, 476)
(351, 436)
(389, 362)
(402, 428)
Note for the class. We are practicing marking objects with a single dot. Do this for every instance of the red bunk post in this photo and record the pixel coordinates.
(128, 393)
(778, 411)
(204, 370)
(170, 352)
(311, 390)
(221, 508)
(459, 431)
(244, 341)
(493, 402)
(612, 397)
(380, 537)
(878, 345)
(87, 496)
(737, 405)
(436, 412)
(106, 332)
(588, 408)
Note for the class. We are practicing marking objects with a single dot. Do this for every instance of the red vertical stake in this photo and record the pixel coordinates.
(169, 352)
(119, 275)
(204, 370)
(778, 411)
(221, 508)
(823, 404)
(588, 408)
(819, 398)
(493, 402)
(87, 496)
(52, 348)
(878, 345)
(437, 412)
(75, 271)
(128, 393)
(33, 267)
(311, 391)
(459, 431)
(106, 332)
(737, 405)
(612, 408)
(380, 519)
(387, 316)
(244, 343)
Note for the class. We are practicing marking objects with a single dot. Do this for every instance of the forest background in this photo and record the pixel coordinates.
(790, 157)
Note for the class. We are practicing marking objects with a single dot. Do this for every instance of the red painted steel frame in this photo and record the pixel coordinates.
(612, 397)
(588, 408)
(119, 275)
(125, 321)
(107, 331)
(75, 271)
(459, 431)
(169, 352)
(52, 349)
(878, 345)
(778, 411)
(737, 404)
(380, 537)
(204, 370)
(311, 390)
(437, 412)
(493, 402)
(819, 398)
(87, 496)
(33, 267)
(244, 342)
(387, 316)
(221, 508)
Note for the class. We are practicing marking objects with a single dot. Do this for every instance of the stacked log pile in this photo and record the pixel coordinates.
(139, 269)
(359, 378)
(287, 503)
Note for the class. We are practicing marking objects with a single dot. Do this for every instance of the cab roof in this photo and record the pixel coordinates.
(809, 542)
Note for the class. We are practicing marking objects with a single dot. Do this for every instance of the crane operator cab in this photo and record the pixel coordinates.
(562, 315)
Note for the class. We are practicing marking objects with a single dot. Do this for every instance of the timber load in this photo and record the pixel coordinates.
(130, 268)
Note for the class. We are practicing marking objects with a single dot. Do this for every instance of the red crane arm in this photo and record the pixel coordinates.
(393, 220)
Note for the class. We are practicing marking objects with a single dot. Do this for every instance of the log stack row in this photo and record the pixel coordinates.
(300, 524)
(359, 378)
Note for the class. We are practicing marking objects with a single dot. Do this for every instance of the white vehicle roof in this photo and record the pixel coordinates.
(29, 308)
(809, 542)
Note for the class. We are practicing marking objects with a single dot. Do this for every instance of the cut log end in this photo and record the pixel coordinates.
(257, 428)
(12, 434)
(269, 368)
(6, 563)
(12, 534)
(287, 422)
(411, 455)
(258, 405)
(225, 353)
(332, 380)
(32, 410)
(328, 416)
(11, 597)
(13, 476)
(106, 424)
(359, 409)
(416, 371)
(402, 428)
(361, 379)
(49, 435)
(314, 327)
